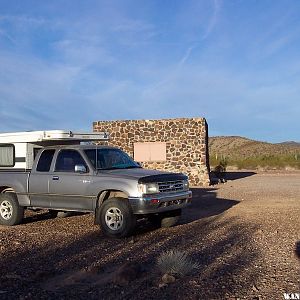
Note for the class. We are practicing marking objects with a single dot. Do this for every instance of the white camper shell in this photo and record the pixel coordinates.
(18, 149)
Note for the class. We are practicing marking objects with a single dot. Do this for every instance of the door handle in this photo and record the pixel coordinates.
(55, 178)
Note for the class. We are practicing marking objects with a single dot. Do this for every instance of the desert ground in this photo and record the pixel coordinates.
(244, 235)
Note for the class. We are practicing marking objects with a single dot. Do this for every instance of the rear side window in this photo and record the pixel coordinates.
(7, 155)
(67, 160)
(45, 161)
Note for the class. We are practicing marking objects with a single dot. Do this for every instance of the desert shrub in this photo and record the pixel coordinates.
(278, 161)
(176, 263)
(224, 162)
(216, 161)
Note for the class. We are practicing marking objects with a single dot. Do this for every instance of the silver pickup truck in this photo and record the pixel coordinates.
(99, 179)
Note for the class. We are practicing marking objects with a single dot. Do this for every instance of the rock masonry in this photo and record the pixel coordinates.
(186, 140)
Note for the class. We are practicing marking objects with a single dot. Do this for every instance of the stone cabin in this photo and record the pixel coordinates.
(175, 145)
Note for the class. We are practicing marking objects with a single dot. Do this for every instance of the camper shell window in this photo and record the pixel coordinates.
(7, 155)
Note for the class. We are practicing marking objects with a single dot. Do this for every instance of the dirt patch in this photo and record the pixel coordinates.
(243, 234)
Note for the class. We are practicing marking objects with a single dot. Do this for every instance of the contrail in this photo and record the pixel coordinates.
(7, 36)
(213, 20)
(210, 27)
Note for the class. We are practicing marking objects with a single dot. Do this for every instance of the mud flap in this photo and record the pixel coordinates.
(97, 216)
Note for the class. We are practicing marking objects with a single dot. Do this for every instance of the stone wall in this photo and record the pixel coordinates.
(186, 140)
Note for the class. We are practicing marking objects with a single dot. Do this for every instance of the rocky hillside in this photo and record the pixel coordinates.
(240, 147)
(246, 153)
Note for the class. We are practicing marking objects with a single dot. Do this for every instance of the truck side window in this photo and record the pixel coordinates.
(67, 160)
(45, 161)
(7, 155)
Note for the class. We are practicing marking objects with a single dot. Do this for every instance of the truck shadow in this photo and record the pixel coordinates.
(70, 264)
(205, 203)
(74, 267)
(42, 215)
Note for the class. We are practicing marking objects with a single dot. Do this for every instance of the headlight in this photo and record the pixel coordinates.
(148, 188)
(185, 184)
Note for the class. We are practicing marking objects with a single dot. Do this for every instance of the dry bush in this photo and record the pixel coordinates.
(175, 263)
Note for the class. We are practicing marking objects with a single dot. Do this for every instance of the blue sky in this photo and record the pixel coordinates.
(65, 64)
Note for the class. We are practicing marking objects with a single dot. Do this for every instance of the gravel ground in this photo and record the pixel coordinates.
(244, 234)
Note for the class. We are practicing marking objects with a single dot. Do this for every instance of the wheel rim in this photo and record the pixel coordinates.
(114, 218)
(6, 210)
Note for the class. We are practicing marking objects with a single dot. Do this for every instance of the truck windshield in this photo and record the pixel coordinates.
(108, 159)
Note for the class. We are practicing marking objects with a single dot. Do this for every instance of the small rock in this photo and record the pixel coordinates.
(193, 282)
(168, 278)
(255, 289)
(161, 285)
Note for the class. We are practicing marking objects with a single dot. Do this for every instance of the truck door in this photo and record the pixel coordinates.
(39, 180)
(69, 189)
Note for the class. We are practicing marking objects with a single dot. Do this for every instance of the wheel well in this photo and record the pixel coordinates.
(104, 195)
(6, 189)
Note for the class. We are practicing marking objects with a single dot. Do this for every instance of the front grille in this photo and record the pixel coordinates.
(171, 186)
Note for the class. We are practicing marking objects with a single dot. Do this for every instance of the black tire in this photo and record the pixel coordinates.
(11, 213)
(170, 218)
(116, 218)
(155, 220)
(53, 213)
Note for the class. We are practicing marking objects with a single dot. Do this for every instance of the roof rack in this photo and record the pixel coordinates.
(51, 135)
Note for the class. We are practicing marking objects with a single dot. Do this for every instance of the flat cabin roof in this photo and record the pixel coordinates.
(51, 135)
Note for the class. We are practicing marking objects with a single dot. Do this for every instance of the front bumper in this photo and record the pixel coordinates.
(156, 203)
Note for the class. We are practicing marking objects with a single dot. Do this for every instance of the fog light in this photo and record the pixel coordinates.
(154, 201)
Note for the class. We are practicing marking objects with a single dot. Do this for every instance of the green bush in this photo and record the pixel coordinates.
(281, 161)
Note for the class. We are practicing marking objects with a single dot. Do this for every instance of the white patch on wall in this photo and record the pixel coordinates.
(150, 151)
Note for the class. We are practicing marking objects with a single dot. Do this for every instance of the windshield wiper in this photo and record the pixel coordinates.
(114, 168)
(110, 168)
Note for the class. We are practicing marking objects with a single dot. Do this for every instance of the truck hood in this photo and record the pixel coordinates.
(144, 175)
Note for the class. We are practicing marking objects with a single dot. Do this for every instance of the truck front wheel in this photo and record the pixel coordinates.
(116, 218)
(11, 213)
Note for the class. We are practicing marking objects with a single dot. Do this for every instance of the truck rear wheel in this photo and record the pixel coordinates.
(116, 218)
(11, 213)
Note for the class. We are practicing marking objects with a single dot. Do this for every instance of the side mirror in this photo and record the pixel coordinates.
(80, 169)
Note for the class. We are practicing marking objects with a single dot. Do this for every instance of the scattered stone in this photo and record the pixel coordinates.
(168, 278)
(254, 288)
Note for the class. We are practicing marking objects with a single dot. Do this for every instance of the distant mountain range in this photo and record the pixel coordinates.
(240, 147)
(289, 143)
